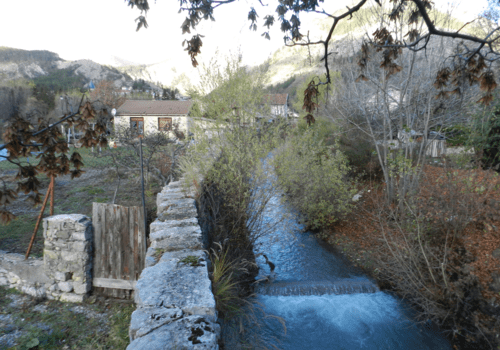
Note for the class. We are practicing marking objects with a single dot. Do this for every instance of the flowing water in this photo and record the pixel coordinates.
(325, 301)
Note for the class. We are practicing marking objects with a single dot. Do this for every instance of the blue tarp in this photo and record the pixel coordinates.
(3, 153)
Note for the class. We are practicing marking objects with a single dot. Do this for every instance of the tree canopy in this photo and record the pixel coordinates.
(228, 92)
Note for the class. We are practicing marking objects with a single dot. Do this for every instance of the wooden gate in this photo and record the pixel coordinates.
(119, 248)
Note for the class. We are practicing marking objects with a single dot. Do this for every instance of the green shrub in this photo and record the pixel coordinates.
(315, 177)
(456, 135)
(362, 157)
(485, 134)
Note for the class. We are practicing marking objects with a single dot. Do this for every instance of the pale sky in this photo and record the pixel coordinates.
(98, 29)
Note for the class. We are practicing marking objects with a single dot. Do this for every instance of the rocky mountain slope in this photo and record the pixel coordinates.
(177, 72)
(18, 64)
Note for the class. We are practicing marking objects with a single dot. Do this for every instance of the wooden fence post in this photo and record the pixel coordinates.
(49, 190)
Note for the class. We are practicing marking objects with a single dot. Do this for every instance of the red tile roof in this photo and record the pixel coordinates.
(276, 99)
(144, 107)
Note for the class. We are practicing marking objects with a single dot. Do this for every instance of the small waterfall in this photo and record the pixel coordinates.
(326, 302)
(344, 286)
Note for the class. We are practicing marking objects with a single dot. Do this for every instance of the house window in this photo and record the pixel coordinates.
(164, 124)
(137, 125)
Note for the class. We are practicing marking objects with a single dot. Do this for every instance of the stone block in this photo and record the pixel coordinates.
(172, 282)
(180, 203)
(72, 298)
(163, 225)
(175, 184)
(82, 288)
(50, 255)
(78, 278)
(67, 225)
(70, 256)
(62, 276)
(192, 332)
(80, 246)
(75, 266)
(168, 196)
(178, 238)
(145, 320)
(4, 281)
(62, 266)
(150, 260)
(62, 234)
(33, 291)
(178, 214)
(169, 232)
(65, 286)
(65, 222)
(80, 236)
(13, 279)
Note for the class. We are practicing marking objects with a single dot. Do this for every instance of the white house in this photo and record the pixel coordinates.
(148, 116)
(278, 104)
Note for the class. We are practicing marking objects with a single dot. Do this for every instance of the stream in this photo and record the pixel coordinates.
(325, 301)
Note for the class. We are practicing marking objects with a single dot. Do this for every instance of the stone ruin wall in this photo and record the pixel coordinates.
(64, 273)
(175, 303)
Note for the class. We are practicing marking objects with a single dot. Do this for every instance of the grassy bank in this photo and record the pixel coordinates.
(98, 184)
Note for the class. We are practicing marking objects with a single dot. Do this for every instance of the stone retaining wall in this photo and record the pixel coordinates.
(28, 276)
(64, 273)
(175, 304)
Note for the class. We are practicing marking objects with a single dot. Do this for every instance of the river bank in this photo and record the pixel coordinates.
(476, 253)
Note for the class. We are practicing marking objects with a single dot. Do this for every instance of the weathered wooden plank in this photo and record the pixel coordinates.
(97, 225)
(131, 246)
(120, 249)
(142, 238)
(104, 245)
(113, 283)
(117, 240)
(105, 251)
(137, 267)
(138, 231)
(110, 234)
(125, 249)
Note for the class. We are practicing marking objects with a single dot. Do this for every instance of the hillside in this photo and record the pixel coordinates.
(179, 74)
(289, 67)
(17, 64)
(8, 54)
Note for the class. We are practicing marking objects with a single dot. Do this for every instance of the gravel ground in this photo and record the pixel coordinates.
(56, 325)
